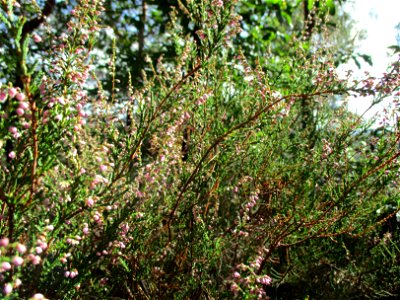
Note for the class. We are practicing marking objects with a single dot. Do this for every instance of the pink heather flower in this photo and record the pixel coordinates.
(17, 282)
(72, 241)
(34, 259)
(89, 202)
(23, 105)
(36, 38)
(42, 88)
(79, 50)
(234, 288)
(5, 266)
(73, 274)
(218, 3)
(21, 248)
(201, 34)
(17, 261)
(67, 273)
(243, 233)
(4, 242)
(38, 297)
(12, 129)
(236, 275)
(20, 111)
(20, 97)
(12, 92)
(98, 179)
(103, 168)
(8, 288)
(3, 97)
(42, 245)
(49, 227)
(81, 93)
(266, 280)
(12, 155)
(61, 100)
(85, 230)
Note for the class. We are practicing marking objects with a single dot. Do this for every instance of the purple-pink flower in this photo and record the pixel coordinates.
(89, 202)
(17, 282)
(12, 92)
(4, 242)
(218, 3)
(3, 97)
(8, 288)
(38, 297)
(21, 248)
(5, 266)
(17, 261)
(12, 129)
(20, 97)
(20, 111)
(266, 280)
(23, 105)
(36, 38)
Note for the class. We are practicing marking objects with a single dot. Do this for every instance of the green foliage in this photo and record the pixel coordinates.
(236, 173)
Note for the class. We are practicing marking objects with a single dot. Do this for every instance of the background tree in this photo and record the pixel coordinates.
(242, 175)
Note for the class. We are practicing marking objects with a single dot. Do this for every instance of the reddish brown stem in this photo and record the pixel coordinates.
(35, 142)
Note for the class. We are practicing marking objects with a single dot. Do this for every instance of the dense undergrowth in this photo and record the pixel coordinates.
(234, 179)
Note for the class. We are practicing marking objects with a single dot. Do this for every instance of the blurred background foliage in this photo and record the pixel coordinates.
(338, 264)
(143, 28)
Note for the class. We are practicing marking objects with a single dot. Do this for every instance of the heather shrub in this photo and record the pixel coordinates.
(218, 177)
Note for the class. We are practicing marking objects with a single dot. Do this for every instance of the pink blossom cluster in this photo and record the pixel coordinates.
(326, 149)
(22, 111)
(98, 179)
(71, 274)
(233, 29)
(65, 257)
(253, 198)
(17, 260)
(203, 98)
(244, 279)
(217, 3)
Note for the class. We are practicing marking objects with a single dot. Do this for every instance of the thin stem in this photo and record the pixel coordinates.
(35, 145)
